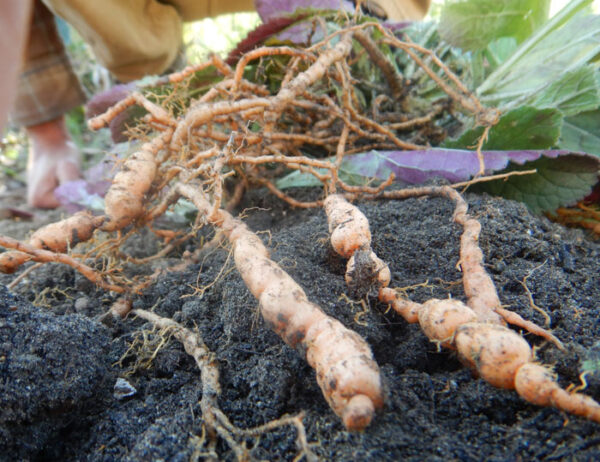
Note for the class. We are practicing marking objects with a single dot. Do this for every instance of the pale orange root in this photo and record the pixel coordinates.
(57, 237)
(439, 320)
(346, 371)
(479, 288)
(348, 226)
(496, 353)
(377, 266)
(351, 238)
(536, 384)
(47, 256)
(405, 308)
(516, 320)
(125, 199)
(504, 359)
(157, 112)
(303, 80)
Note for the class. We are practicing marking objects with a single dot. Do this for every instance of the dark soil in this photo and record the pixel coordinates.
(59, 364)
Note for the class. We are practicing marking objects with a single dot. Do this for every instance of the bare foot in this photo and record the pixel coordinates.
(53, 159)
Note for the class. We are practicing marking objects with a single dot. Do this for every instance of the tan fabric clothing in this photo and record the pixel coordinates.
(47, 86)
(131, 38)
(134, 38)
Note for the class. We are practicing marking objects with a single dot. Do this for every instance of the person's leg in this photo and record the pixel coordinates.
(47, 89)
(53, 159)
(14, 24)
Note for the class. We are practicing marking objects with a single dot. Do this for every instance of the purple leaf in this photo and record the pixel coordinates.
(299, 33)
(562, 177)
(88, 192)
(269, 9)
(255, 38)
(415, 167)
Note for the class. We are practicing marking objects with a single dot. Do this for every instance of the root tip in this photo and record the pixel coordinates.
(358, 413)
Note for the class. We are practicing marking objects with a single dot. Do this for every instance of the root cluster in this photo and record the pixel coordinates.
(283, 109)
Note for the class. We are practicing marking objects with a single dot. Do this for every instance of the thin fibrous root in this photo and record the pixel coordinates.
(158, 113)
(46, 256)
(56, 237)
(215, 420)
(394, 79)
(303, 80)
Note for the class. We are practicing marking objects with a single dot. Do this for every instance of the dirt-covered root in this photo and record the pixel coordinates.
(476, 329)
(479, 287)
(346, 371)
(350, 237)
(56, 237)
(348, 226)
(125, 199)
(503, 358)
(499, 355)
(536, 384)
(47, 256)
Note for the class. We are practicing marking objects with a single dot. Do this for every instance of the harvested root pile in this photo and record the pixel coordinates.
(249, 128)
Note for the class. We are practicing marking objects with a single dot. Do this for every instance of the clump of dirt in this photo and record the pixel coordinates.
(435, 409)
(54, 371)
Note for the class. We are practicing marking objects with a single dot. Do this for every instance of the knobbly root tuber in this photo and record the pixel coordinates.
(498, 355)
(56, 237)
(479, 288)
(536, 384)
(477, 330)
(439, 319)
(504, 359)
(494, 351)
(348, 226)
(124, 201)
(346, 371)
(351, 238)
(365, 270)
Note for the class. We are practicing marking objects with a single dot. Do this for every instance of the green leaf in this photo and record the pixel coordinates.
(590, 362)
(582, 133)
(576, 91)
(297, 179)
(499, 50)
(523, 128)
(559, 182)
(563, 44)
(473, 24)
